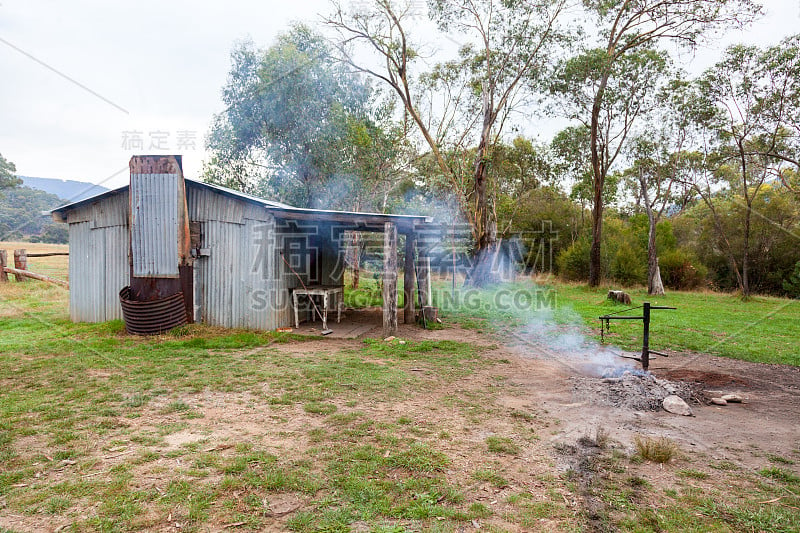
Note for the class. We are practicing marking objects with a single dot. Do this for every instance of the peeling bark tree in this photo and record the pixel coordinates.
(656, 175)
(627, 26)
(507, 44)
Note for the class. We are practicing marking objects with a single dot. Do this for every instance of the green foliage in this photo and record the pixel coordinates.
(792, 283)
(773, 243)
(547, 222)
(8, 176)
(21, 216)
(681, 271)
(299, 126)
(627, 266)
(573, 263)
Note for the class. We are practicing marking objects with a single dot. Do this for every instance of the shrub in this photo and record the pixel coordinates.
(792, 283)
(627, 267)
(573, 263)
(681, 271)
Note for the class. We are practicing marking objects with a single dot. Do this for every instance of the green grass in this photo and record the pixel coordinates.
(102, 408)
(729, 500)
(762, 329)
(502, 445)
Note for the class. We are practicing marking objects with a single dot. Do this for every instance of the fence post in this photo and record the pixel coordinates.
(20, 263)
(3, 265)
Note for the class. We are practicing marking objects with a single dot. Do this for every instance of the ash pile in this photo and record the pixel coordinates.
(631, 389)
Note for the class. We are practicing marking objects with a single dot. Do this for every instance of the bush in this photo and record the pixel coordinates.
(573, 263)
(681, 271)
(792, 283)
(627, 267)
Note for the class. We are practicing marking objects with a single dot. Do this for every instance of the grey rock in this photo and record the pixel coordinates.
(719, 401)
(732, 398)
(675, 405)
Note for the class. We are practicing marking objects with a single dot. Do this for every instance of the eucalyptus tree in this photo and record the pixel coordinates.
(629, 88)
(299, 126)
(629, 31)
(654, 177)
(464, 103)
(779, 107)
(747, 140)
(8, 176)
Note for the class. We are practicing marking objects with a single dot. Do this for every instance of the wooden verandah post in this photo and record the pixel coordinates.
(389, 279)
(408, 279)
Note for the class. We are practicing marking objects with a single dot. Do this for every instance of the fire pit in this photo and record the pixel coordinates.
(630, 389)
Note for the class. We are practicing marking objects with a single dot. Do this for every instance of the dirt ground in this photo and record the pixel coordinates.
(524, 380)
(766, 422)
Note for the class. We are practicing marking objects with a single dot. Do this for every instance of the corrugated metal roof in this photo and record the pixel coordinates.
(277, 208)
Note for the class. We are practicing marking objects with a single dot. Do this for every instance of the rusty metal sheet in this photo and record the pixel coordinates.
(153, 317)
(154, 225)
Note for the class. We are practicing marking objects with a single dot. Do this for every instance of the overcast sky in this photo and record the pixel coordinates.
(83, 83)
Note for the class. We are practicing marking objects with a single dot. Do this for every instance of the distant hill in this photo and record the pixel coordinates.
(68, 190)
(21, 217)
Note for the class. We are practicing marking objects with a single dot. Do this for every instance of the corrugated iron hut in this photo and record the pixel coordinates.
(235, 259)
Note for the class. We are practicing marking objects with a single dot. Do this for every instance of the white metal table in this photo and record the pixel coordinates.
(329, 295)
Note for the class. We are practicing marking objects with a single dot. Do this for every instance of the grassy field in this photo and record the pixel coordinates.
(209, 429)
(56, 266)
(762, 329)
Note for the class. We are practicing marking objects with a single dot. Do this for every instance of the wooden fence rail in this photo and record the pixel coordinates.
(20, 269)
(23, 274)
(48, 254)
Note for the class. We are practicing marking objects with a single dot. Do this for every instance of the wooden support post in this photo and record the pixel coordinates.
(389, 279)
(408, 280)
(20, 263)
(3, 265)
(424, 273)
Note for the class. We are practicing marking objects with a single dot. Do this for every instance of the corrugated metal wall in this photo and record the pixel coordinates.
(154, 224)
(98, 261)
(239, 284)
(242, 283)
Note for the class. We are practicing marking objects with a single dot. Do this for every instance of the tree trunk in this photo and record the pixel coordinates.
(597, 233)
(485, 221)
(746, 256)
(654, 283)
(744, 281)
(658, 285)
(598, 183)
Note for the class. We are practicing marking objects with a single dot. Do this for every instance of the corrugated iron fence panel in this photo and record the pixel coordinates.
(80, 288)
(117, 268)
(220, 270)
(111, 211)
(206, 205)
(98, 267)
(154, 220)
